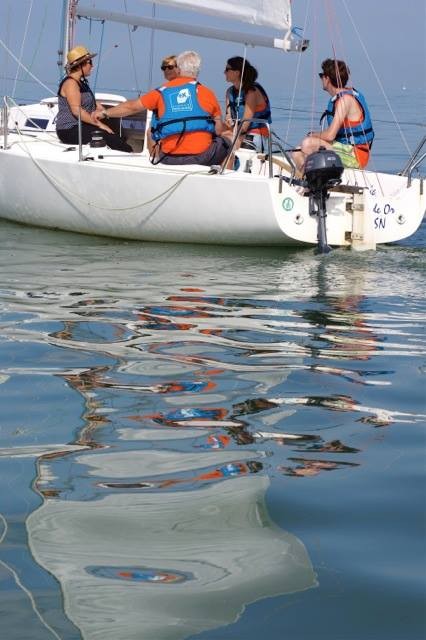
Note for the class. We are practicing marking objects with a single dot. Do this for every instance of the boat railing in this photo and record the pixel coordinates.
(269, 156)
(286, 155)
(5, 121)
(80, 137)
(414, 161)
(264, 123)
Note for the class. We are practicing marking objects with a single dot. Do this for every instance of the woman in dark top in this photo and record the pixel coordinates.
(74, 97)
(245, 99)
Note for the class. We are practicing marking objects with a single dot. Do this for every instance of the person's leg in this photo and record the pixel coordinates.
(177, 159)
(347, 155)
(114, 140)
(70, 136)
(217, 151)
(215, 154)
(307, 146)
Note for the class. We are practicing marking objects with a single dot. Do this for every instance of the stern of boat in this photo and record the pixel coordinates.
(366, 209)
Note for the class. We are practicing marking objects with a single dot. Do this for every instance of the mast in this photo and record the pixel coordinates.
(66, 41)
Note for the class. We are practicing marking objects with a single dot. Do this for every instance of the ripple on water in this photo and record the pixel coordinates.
(202, 439)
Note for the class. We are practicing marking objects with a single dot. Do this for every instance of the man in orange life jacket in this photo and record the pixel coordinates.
(187, 122)
(350, 131)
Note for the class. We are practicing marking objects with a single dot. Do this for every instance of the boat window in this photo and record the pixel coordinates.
(136, 122)
(36, 123)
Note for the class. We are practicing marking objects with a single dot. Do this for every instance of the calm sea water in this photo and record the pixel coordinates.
(202, 443)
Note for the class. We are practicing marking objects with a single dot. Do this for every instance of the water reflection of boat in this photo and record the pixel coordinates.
(165, 565)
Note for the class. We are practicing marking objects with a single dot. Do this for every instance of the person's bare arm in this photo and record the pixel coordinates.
(219, 125)
(121, 110)
(228, 118)
(343, 107)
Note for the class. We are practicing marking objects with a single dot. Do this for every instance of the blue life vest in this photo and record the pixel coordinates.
(359, 134)
(183, 113)
(237, 106)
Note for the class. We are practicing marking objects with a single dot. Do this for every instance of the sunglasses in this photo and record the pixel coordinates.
(168, 66)
(321, 75)
(228, 69)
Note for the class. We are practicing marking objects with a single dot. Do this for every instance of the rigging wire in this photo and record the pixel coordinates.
(37, 47)
(403, 138)
(100, 55)
(236, 123)
(151, 51)
(21, 64)
(21, 53)
(296, 77)
(132, 53)
(5, 60)
(312, 125)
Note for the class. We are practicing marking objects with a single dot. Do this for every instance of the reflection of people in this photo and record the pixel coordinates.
(349, 130)
(194, 417)
(75, 98)
(228, 470)
(308, 468)
(379, 417)
(192, 136)
(246, 99)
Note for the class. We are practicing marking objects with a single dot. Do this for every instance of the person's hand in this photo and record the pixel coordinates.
(104, 127)
(97, 116)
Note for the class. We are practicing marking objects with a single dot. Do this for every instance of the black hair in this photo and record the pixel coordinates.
(249, 76)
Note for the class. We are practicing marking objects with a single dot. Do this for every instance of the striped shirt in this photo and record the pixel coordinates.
(65, 118)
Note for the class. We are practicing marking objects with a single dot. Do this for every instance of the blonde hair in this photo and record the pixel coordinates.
(168, 60)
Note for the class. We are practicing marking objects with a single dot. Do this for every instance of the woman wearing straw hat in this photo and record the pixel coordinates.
(75, 98)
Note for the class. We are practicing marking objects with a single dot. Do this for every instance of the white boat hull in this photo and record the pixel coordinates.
(43, 183)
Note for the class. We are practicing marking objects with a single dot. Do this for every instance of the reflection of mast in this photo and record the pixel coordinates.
(164, 565)
(86, 382)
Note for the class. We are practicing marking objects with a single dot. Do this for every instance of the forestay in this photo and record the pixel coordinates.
(272, 13)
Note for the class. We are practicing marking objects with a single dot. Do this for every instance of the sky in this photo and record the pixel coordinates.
(389, 46)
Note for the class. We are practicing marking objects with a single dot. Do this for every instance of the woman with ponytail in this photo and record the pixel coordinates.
(246, 99)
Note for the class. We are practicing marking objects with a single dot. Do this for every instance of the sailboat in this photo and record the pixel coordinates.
(104, 192)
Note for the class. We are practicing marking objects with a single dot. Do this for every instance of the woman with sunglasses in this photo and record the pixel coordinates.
(246, 99)
(169, 68)
(75, 98)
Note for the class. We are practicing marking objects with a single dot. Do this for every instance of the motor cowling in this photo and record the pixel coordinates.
(323, 169)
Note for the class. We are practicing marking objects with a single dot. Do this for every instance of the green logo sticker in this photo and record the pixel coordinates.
(288, 204)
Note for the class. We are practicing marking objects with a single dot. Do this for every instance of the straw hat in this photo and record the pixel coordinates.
(78, 55)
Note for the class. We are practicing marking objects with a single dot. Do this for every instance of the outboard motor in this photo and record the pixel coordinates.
(323, 170)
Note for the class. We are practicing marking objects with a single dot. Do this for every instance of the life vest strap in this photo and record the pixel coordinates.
(161, 125)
